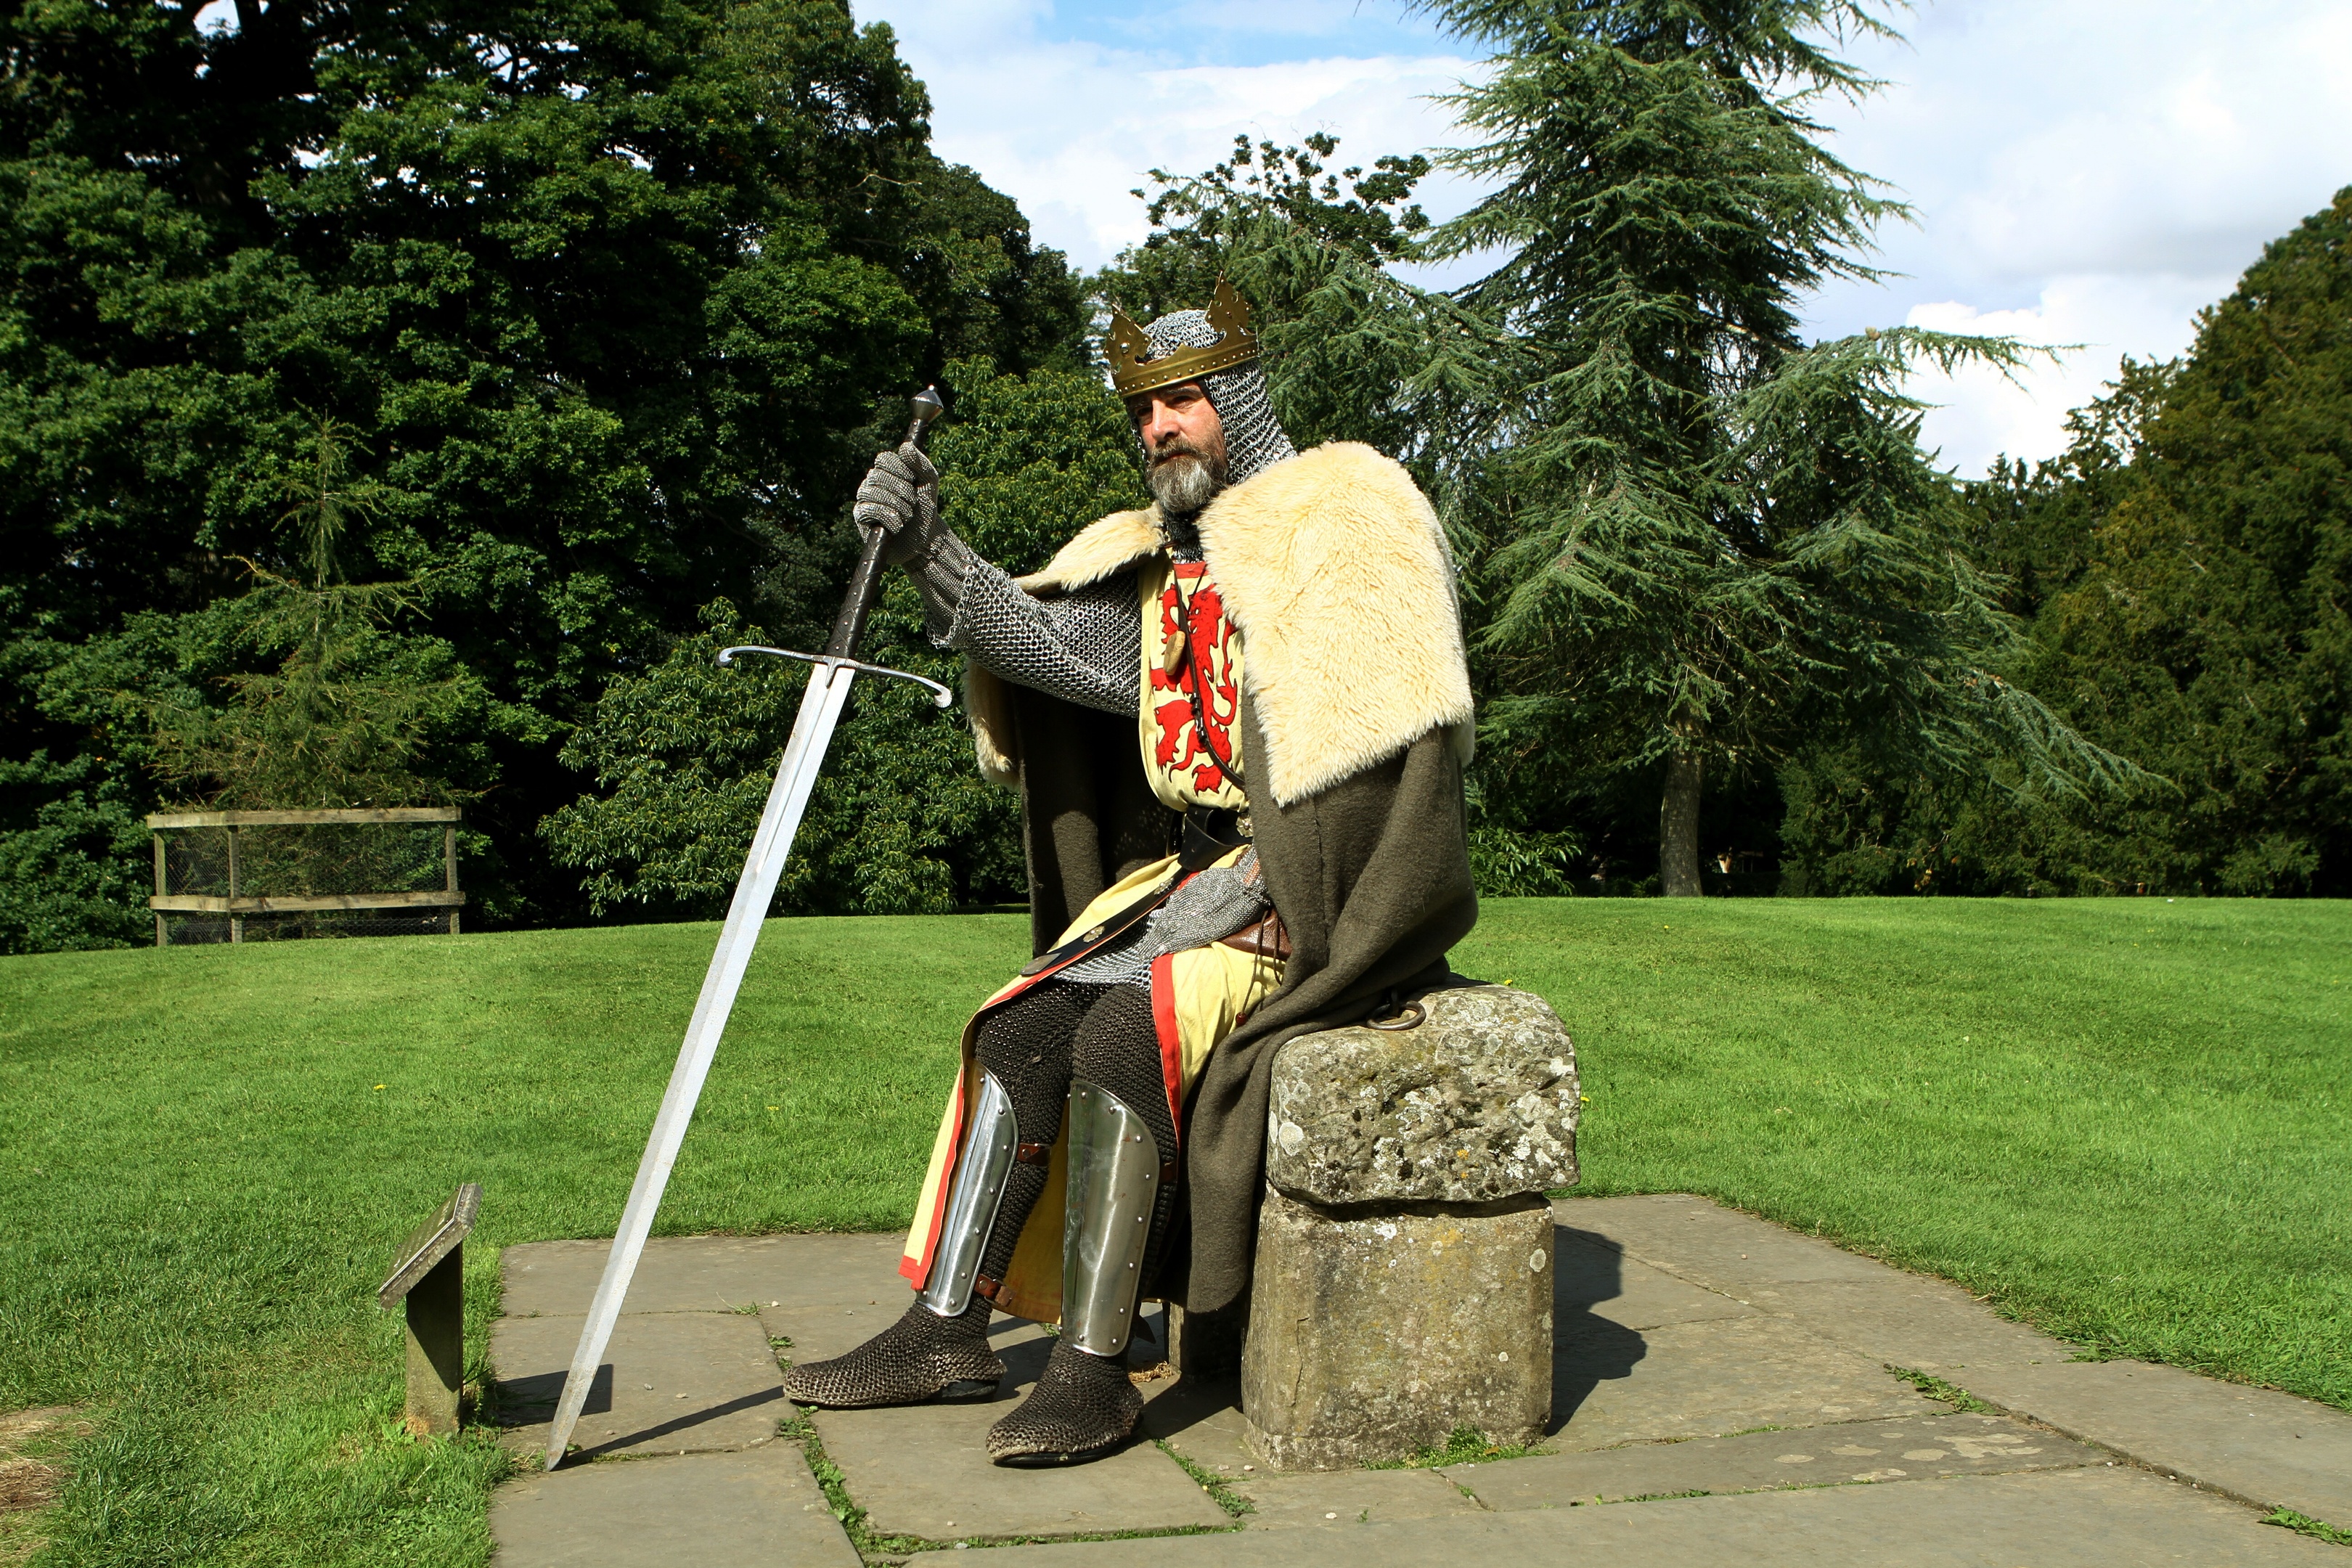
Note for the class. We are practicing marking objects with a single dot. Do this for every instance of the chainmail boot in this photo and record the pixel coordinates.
(928, 1354)
(921, 1356)
(1083, 1407)
(1120, 1202)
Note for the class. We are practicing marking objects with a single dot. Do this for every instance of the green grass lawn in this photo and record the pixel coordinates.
(2125, 1122)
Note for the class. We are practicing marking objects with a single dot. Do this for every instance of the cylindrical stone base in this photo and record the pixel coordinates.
(1375, 1335)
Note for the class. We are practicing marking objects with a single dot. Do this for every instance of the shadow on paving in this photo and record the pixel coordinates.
(1587, 1351)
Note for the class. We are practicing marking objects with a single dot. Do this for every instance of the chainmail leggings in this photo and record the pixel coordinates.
(1033, 1044)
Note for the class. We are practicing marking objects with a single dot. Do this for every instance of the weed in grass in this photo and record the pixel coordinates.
(33, 1468)
(2303, 1524)
(1935, 1387)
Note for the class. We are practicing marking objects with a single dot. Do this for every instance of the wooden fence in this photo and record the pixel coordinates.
(237, 904)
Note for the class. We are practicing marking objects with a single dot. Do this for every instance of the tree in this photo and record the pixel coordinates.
(351, 711)
(2187, 564)
(606, 298)
(1718, 542)
(1352, 351)
(900, 822)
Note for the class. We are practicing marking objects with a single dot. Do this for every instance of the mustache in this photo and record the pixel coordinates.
(1176, 447)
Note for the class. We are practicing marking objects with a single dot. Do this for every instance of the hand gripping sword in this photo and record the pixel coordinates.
(821, 705)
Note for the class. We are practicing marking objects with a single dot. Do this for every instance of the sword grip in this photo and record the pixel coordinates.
(865, 580)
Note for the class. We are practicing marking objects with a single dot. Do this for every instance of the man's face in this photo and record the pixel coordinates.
(1183, 445)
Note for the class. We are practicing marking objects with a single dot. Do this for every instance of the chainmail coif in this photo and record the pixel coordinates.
(1253, 438)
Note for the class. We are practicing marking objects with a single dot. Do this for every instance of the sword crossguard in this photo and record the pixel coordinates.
(940, 696)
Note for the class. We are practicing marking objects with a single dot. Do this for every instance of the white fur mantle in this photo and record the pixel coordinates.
(1336, 573)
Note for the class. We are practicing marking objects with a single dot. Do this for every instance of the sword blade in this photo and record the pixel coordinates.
(797, 775)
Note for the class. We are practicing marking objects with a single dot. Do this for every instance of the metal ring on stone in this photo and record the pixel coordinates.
(1408, 1017)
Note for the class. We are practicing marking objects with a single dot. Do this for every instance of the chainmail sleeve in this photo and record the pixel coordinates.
(1086, 646)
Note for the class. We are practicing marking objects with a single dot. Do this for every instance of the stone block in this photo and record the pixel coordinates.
(1373, 1335)
(1477, 1103)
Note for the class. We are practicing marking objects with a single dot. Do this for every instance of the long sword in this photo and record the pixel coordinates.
(821, 705)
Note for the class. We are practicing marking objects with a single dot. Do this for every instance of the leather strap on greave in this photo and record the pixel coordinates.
(989, 1150)
(1116, 1178)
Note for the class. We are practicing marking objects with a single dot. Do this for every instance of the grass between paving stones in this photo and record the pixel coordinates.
(2123, 1120)
(1219, 1487)
(1934, 1387)
(1464, 1445)
(2287, 1519)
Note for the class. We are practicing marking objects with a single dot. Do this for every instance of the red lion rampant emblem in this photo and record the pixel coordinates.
(1191, 608)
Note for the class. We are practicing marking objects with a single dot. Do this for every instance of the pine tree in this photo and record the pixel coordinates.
(1719, 539)
(352, 710)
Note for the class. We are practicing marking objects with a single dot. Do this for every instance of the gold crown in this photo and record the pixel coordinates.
(1132, 371)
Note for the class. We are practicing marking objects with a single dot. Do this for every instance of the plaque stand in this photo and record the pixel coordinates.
(429, 1275)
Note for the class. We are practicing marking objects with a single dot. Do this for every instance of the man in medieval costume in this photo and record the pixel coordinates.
(1238, 721)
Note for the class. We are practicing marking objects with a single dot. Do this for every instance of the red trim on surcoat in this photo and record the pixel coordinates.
(919, 1269)
(1171, 1049)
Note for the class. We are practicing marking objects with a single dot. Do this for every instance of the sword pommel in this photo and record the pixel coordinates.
(924, 407)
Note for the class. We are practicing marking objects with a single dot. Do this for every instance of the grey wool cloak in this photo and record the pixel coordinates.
(1356, 719)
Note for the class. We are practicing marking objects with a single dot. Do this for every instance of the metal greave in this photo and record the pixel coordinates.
(973, 1200)
(1115, 1177)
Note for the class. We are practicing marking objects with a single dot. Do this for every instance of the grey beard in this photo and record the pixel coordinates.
(1183, 486)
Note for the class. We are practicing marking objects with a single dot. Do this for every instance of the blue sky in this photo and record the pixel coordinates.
(2087, 173)
(1240, 33)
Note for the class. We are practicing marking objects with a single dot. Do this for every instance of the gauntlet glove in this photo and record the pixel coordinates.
(900, 495)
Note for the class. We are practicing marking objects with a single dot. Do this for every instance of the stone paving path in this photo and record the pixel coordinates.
(1725, 1386)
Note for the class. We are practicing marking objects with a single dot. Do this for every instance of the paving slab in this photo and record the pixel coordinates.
(924, 1469)
(1590, 1274)
(1904, 1319)
(2257, 1444)
(759, 1506)
(701, 1273)
(1316, 1498)
(1909, 1450)
(2097, 1517)
(2260, 1445)
(1710, 1379)
(1698, 1240)
(675, 1382)
(1201, 1418)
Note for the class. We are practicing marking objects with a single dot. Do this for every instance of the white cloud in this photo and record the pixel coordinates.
(2092, 173)
(1067, 128)
(2093, 319)
(2088, 172)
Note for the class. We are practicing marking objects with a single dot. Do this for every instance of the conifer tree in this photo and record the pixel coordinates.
(1719, 539)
